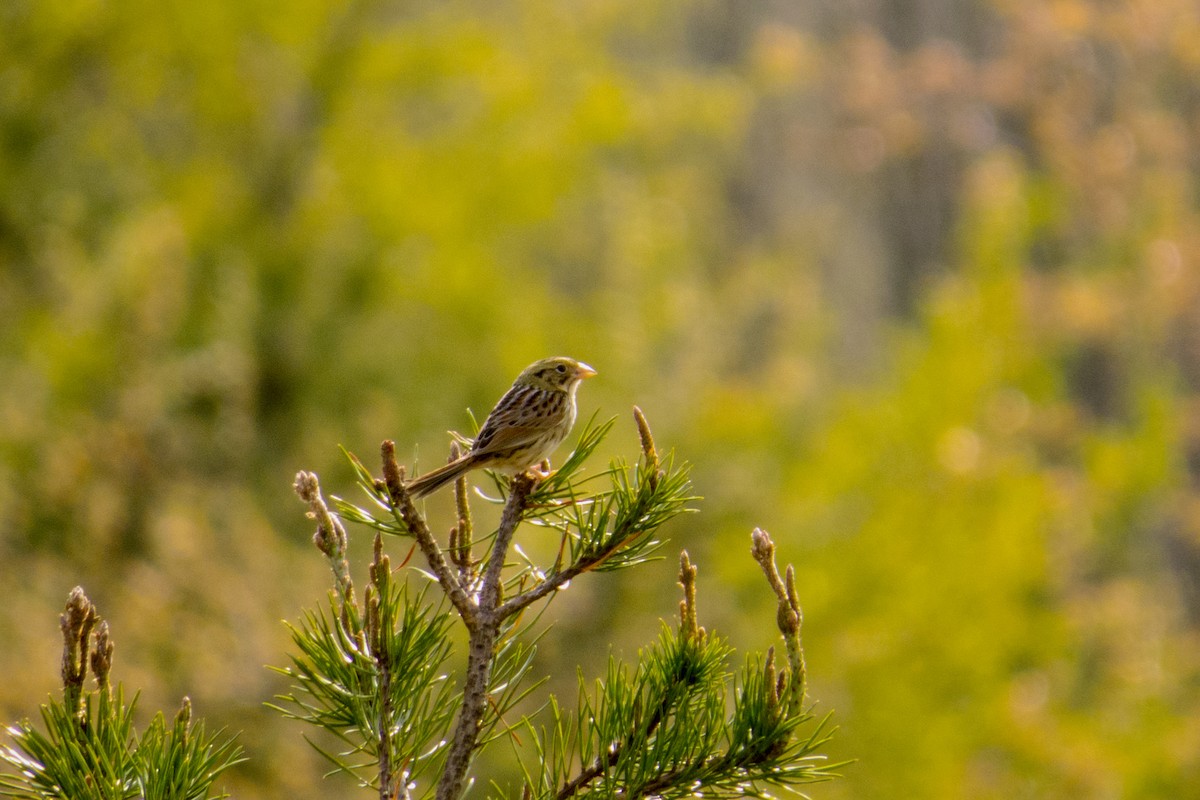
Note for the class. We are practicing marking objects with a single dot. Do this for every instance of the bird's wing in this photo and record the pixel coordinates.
(509, 425)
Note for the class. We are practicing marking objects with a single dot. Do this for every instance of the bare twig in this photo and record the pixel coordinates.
(789, 617)
(330, 537)
(76, 622)
(402, 502)
(648, 448)
(687, 606)
(101, 658)
(461, 555)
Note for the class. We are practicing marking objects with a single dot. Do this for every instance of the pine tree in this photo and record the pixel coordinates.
(373, 672)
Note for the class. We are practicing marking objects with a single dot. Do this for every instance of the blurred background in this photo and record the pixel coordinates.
(911, 283)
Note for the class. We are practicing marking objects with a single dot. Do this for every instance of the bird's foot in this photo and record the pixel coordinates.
(539, 472)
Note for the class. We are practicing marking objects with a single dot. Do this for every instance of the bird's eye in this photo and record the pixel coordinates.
(562, 368)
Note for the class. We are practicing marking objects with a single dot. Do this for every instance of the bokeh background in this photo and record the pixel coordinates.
(911, 283)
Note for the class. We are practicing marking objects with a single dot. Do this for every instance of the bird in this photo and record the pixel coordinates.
(526, 425)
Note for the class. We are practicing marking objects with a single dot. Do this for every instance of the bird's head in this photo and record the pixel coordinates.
(558, 373)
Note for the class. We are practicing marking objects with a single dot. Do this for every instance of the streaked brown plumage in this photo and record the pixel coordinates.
(525, 427)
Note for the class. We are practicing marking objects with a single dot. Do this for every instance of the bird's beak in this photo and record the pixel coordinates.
(584, 371)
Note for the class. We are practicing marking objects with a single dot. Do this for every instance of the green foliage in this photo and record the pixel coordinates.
(90, 749)
(664, 730)
(341, 687)
(615, 519)
(86, 757)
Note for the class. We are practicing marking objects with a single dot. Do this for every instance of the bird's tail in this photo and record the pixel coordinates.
(434, 480)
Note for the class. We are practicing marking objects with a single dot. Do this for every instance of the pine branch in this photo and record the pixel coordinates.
(678, 683)
(662, 730)
(462, 533)
(330, 538)
(789, 616)
(615, 752)
(686, 743)
(76, 624)
(90, 749)
(376, 684)
(615, 529)
(481, 645)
